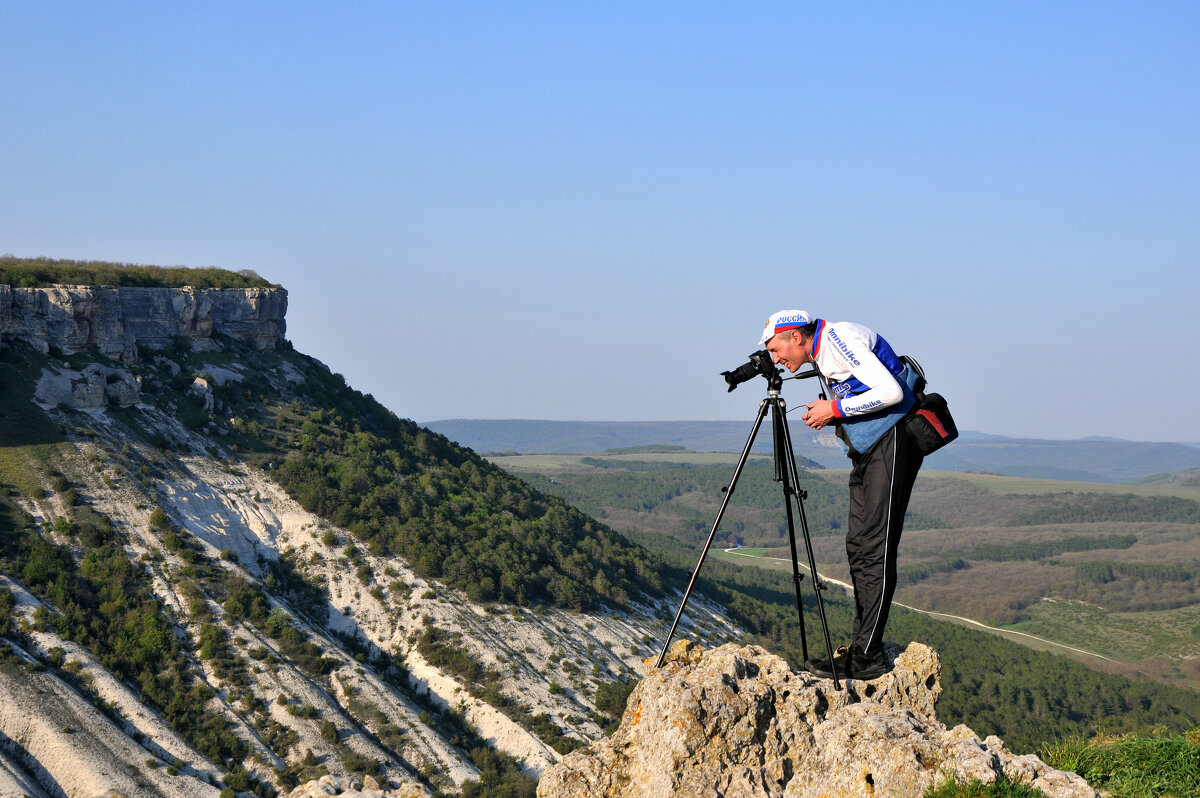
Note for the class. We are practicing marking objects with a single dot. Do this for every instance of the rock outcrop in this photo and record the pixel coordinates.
(738, 722)
(116, 321)
(93, 388)
(345, 788)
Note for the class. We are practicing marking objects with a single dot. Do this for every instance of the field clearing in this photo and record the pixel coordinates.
(760, 558)
(996, 483)
(1165, 645)
(23, 466)
(1120, 634)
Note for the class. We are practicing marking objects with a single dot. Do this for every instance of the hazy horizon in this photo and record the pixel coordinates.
(796, 426)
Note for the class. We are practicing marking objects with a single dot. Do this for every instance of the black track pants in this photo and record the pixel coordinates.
(881, 483)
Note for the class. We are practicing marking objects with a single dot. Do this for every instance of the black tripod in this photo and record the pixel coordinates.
(785, 473)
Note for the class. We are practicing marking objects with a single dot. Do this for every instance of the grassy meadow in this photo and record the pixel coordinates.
(30, 443)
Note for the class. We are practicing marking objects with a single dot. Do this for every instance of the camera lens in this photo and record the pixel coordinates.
(759, 363)
(739, 375)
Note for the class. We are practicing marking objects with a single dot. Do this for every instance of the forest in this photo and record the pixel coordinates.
(457, 518)
(42, 272)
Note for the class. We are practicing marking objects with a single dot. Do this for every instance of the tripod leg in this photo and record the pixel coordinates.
(737, 472)
(781, 476)
(812, 563)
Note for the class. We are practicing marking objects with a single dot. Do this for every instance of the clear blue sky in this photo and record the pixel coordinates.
(587, 211)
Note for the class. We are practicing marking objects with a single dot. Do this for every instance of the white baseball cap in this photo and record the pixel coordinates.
(784, 320)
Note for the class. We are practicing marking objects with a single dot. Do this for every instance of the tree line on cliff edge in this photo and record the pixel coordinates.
(44, 272)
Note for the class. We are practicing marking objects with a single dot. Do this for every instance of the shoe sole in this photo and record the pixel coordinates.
(827, 673)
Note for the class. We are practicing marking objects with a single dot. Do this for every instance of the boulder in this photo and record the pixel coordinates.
(94, 388)
(120, 387)
(738, 722)
(201, 388)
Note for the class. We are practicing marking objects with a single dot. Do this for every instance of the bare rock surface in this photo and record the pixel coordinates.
(115, 321)
(344, 787)
(94, 388)
(51, 736)
(15, 780)
(738, 722)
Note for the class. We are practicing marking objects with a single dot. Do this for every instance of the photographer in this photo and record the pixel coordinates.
(871, 390)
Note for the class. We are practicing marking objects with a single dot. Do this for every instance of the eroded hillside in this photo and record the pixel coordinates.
(427, 620)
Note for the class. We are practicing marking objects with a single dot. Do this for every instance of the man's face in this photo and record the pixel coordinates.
(789, 349)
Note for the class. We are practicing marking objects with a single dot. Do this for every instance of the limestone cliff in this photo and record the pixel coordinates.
(116, 321)
(738, 722)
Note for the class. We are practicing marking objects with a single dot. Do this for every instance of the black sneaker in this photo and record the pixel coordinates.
(866, 667)
(822, 668)
(851, 663)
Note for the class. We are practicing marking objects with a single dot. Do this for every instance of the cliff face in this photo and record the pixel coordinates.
(115, 321)
(738, 722)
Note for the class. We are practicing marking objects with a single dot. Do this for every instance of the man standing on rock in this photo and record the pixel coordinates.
(872, 390)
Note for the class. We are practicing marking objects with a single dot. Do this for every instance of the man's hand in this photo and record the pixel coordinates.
(819, 414)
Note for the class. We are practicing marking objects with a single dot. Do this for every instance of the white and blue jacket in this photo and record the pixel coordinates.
(871, 387)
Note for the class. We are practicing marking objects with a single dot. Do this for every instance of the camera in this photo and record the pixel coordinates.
(760, 363)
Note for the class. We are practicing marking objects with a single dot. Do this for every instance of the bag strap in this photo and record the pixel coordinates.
(919, 390)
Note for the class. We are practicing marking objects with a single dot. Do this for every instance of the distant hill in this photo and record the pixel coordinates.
(528, 436)
(1085, 460)
(1191, 477)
